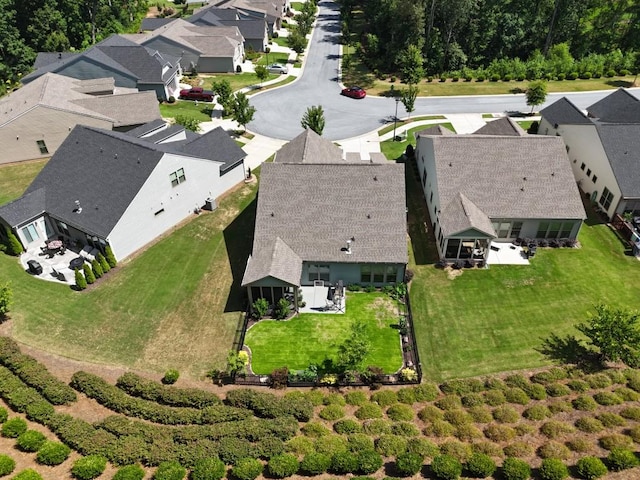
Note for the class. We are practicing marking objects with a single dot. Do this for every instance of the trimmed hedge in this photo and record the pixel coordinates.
(282, 466)
(591, 468)
(28, 474)
(480, 466)
(553, 469)
(268, 405)
(52, 453)
(515, 469)
(88, 468)
(446, 467)
(129, 472)
(247, 469)
(170, 471)
(137, 386)
(34, 374)
(115, 399)
(369, 461)
(30, 441)
(7, 465)
(408, 464)
(622, 459)
(208, 469)
(14, 427)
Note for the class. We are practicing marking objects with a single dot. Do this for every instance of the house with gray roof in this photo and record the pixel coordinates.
(36, 118)
(501, 126)
(496, 188)
(123, 189)
(255, 31)
(129, 64)
(602, 147)
(207, 49)
(273, 11)
(309, 147)
(327, 223)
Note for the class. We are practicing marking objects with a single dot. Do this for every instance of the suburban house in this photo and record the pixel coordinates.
(36, 118)
(129, 64)
(603, 147)
(330, 222)
(206, 49)
(124, 189)
(270, 10)
(496, 188)
(254, 30)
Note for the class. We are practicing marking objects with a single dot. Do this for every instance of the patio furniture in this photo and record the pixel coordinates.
(76, 263)
(34, 267)
(54, 244)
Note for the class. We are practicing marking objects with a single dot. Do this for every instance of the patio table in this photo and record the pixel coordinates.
(76, 263)
(54, 244)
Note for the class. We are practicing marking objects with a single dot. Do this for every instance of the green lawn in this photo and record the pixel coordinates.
(495, 320)
(389, 127)
(273, 57)
(526, 124)
(237, 80)
(312, 338)
(176, 305)
(282, 41)
(201, 111)
(393, 150)
(14, 179)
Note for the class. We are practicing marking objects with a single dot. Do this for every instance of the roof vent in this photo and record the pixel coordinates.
(78, 208)
(368, 215)
(524, 178)
(553, 174)
(272, 214)
(450, 164)
(348, 249)
(522, 189)
(375, 178)
(115, 155)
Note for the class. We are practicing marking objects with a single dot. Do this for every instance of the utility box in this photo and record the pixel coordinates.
(210, 204)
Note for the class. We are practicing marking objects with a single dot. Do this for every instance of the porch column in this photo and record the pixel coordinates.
(250, 297)
(295, 298)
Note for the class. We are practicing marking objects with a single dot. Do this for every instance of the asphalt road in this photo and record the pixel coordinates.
(278, 111)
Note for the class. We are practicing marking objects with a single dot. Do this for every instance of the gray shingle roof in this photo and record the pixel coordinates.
(618, 107)
(462, 214)
(316, 208)
(501, 126)
(150, 24)
(24, 208)
(47, 58)
(309, 147)
(621, 144)
(276, 260)
(210, 14)
(147, 128)
(126, 109)
(564, 112)
(508, 177)
(250, 29)
(435, 130)
(215, 145)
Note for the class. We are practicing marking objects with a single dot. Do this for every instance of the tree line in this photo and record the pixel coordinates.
(457, 34)
(31, 26)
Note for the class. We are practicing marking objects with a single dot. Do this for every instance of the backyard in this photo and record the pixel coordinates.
(317, 336)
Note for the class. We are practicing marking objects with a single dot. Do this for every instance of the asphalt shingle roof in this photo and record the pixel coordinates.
(316, 208)
(618, 107)
(507, 177)
(461, 214)
(215, 145)
(622, 146)
(309, 147)
(126, 109)
(24, 208)
(501, 126)
(435, 130)
(564, 112)
(149, 24)
(275, 260)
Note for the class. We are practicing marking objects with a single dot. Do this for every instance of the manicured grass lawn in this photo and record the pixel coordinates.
(389, 127)
(201, 111)
(237, 80)
(525, 125)
(312, 338)
(393, 150)
(273, 57)
(282, 41)
(14, 179)
(486, 321)
(176, 305)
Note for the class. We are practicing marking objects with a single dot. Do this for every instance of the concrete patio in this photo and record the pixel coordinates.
(316, 300)
(506, 254)
(58, 262)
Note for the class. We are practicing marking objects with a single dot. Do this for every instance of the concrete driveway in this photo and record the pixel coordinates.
(279, 111)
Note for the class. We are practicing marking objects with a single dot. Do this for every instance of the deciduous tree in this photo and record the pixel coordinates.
(352, 352)
(408, 96)
(242, 112)
(313, 118)
(536, 93)
(262, 73)
(222, 88)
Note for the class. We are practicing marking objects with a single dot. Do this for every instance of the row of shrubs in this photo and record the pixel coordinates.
(268, 405)
(99, 266)
(34, 373)
(114, 399)
(138, 386)
(482, 75)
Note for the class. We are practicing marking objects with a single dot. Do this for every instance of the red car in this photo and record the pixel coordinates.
(354, 92)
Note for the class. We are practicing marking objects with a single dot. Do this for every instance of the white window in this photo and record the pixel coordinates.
(606, 199)
(30, 232)
(177, 177)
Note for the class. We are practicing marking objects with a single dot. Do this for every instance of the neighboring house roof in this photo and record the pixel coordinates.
(211, 13)
(435, 130)
(150, 24)
(309, 147)
(275, 260)
(564, 112)
(95, 86)
(316, 208)
(508, 177)
(207, 41)
(250, 29)
(104, 171)
(621, 144)
(501, 126)
(462, 214)
(46, 58)
(618, 107)
(147, 128)
(121, 55)
(272, 9)
(67, 94)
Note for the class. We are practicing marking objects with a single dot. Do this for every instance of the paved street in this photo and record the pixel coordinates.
(279, 111)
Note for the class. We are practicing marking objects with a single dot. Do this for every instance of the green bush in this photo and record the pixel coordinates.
(343, 463)
(537, 412)
(494, 383)
(170, 471)
(334, 399)
(615, 440)
(426, 392)
(400, 413)
(356, 397)
(631, 413)
(247, 469)
(88, 274)
(590, 468)
(515, 469)
(7, 465)
(506, 414)
(408, 464)
(516, 395)
(458, 417)
(138, 386)
(269, 446)
(4, 415)
(516, 380)
(87, 468)
(111, 259)
(30, 441)
(627, 394)
(359, 442)
(579, 386)
(589, 425)
(535, 391)
(557, 390)
(369, 461)
(580, 445)
(440, 428)
(390, 445)
(446, 467)
(480, 466)
(300, 445)
(368, 411)
(449, 402)
(282, 466)
(480, 414)
(559, 406)
(488, 448)
(52, 453)
(467, 432)
(129, 472)
(315, 430)
(634, 433)
(313, 464)
(104, 265)
(622, 459)
(584, 403)
(459, 450)
(171, 376)
(330, 444)
(472, 400)
(494, 398)
(27, 474)
(406, 395)
(385, 398)
(499, 433)
(554, 450)
(331, 412)
(607, 398)
(518, 449)
(554, 429)
(405, 429)
(523, 429)
(430, 414)
(347, 426)
(96, 269)
(610, 420)
(211, 468)
(553, 469)
(462, 387)
(598, 380)
(14, 427)
(422, 447)
(548, 376)
(376, 426)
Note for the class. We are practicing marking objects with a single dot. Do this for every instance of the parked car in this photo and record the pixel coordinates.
(277, 68)
(354, 92)
(197, 93)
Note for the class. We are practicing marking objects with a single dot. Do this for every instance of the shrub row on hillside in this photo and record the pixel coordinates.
(269, 406)
(115, 399)
(137, 386)
(34, 373)
(21, 398)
